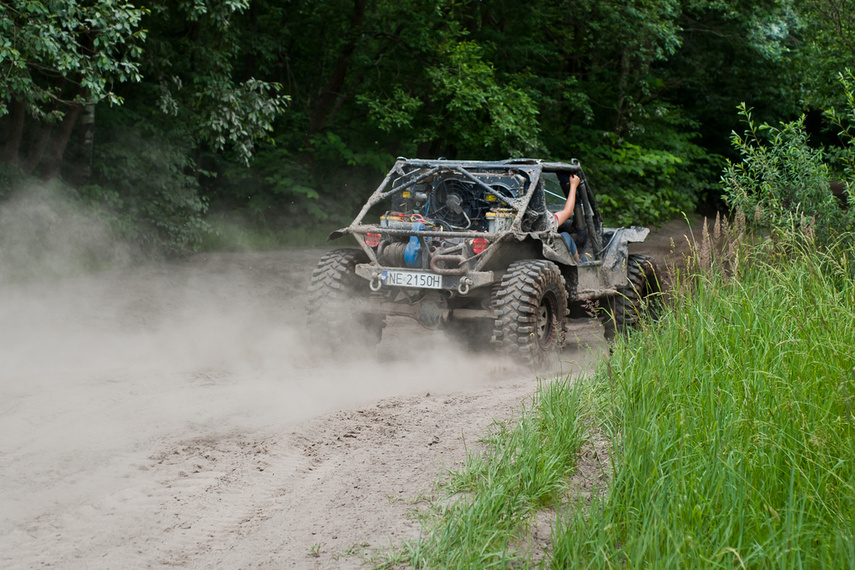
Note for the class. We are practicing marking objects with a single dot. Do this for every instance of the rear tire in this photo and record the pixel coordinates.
(335, 296)
(531, 309)
(636, 300)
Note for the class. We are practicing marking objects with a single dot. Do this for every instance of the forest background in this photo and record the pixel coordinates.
(169, 118)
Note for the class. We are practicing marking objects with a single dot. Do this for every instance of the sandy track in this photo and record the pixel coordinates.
(173, 415)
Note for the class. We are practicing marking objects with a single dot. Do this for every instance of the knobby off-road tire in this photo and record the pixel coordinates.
(636, 300)
(336, 293)
(531, 309)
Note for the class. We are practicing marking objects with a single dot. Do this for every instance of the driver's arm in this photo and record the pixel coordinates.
(564, 214)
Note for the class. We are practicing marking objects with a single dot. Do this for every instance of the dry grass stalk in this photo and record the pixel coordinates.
(716, 252)
(717, 227)
(705, 251)
(807, 226)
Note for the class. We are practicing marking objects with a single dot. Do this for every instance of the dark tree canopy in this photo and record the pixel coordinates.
(291, 109)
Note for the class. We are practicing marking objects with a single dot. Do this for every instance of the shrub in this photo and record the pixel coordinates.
(148, 186)
(783, 182)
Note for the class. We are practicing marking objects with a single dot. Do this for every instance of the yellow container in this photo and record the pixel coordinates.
(395, 222)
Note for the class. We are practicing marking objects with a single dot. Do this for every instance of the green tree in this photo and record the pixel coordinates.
(194, 113)
(829, 49)
(642, 92)
(57, 59)
(193, 73)
(782, 182)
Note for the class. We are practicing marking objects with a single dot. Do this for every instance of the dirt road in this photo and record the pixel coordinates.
(174, 415)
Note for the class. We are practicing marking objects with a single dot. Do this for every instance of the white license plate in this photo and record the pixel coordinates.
(412, 279)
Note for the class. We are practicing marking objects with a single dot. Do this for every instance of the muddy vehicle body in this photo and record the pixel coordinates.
(472, 247)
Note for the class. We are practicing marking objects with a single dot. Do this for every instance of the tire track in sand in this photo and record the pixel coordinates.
(190, 498)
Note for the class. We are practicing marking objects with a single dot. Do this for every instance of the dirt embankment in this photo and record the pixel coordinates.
(174, 415)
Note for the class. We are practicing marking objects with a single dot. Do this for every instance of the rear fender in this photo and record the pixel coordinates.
(613, 270)
(554, 248)
(338, 234)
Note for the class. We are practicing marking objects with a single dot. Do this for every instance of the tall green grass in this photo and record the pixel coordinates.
(732, 423)
(487, 506)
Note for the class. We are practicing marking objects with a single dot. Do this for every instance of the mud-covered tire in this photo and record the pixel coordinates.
(530, 310)
(637, 299)
(335, 295)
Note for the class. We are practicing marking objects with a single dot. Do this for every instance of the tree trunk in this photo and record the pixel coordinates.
(52, 160)
(37, 149)
(80, 168)
(327, 99)
(250, 61)
(14, 131)
(623, 80)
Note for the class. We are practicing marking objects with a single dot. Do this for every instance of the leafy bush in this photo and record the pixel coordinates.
(783, 182)
(283, 193)
(46, 232)
(11, 178)
(642, 185)
(649, 176)
(147, 185)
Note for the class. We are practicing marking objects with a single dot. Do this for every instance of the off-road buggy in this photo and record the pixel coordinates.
(470, 247)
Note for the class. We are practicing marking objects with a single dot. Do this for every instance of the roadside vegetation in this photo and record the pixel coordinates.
(484, 505)
(732, 421)
(731, 426)
(731, 417)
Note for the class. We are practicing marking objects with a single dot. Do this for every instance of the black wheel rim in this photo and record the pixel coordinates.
(545, 322)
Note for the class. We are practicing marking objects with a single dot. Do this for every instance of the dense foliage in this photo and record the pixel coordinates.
(782, 183)
(290, 110)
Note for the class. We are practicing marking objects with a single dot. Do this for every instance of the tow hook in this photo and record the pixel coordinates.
(463, 287)
(375, 282)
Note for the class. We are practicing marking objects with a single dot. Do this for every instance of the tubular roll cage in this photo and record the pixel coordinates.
(418, 170)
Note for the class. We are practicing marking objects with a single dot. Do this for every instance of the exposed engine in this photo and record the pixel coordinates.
(407, 252)
(444, 202)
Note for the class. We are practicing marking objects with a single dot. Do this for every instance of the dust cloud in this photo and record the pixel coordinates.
(105, 372)
(99, 369)
(45, 234)
(164, 413)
